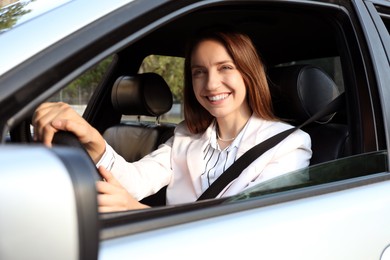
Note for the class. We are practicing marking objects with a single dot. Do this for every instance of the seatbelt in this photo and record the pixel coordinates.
(255, 152)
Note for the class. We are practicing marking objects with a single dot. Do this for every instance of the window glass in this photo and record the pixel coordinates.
(79, 91)
(172, 70)
(14, 12)
(331, 65)
(342, 169)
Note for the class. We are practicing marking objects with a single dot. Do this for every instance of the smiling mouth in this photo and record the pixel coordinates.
(218, 97)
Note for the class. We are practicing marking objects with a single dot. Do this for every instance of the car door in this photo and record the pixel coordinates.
(342, 214)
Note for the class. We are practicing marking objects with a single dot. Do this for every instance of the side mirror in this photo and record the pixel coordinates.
(48, 204)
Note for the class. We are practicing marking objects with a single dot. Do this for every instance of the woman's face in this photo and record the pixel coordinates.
(218, 85)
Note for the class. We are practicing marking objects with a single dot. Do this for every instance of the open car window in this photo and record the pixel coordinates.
(171, 69)
(79, 92)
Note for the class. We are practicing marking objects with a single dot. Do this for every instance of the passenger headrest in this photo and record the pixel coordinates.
(299, 91)
(143, 94)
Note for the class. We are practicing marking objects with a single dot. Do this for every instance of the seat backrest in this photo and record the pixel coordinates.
(141, 95)
(298, 92)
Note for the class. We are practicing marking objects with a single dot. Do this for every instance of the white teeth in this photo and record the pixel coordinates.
(218, 97)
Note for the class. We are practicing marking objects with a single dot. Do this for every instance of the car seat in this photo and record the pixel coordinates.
(298, 92)
(144, 94)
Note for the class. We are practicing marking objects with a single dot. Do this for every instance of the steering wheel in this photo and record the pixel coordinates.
(64, 138)
(21, 133)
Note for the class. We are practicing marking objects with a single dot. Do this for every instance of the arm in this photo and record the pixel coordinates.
(140, 179)
(144, 177)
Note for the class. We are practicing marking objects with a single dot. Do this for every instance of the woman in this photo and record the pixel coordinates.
(228, 110)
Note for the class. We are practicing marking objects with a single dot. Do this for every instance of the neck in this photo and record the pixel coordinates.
(227, 130)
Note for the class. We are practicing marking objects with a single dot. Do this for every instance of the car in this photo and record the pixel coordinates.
(83, 53)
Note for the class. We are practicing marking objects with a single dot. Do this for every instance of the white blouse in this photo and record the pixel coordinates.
(217, 160)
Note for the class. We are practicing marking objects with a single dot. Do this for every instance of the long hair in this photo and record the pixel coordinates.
(245, 57)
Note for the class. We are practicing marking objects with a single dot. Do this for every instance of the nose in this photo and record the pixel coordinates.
(213, 80)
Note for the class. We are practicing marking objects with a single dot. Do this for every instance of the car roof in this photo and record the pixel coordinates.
(296, 35)
(288, 29)
(47, 23)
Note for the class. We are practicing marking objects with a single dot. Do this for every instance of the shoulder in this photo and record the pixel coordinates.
(182, 129)
(182, 132)
(267, 128)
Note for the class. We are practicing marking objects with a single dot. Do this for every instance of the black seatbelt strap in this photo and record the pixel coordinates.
(255, 152)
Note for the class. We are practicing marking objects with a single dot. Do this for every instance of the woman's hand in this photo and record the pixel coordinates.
(112, 196)
(50, 118)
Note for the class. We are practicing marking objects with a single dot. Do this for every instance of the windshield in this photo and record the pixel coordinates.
(13, 13)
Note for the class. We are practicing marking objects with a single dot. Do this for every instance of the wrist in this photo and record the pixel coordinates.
(96, 147)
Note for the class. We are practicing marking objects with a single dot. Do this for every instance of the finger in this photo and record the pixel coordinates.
(47, 135)
(41, 119)
(40, 111)
(109, 202)
(50, 118)
(108, 176)
(105, 200)
(104, 205)
(105, 209)
(103, 187)
(118, 202)
(77, 128)
(58, 125)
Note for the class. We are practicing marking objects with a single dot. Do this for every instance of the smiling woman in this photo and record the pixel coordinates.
(214, 63)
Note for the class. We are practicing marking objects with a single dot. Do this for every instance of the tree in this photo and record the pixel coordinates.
(80, 90)
(171, 69)
(10, 14)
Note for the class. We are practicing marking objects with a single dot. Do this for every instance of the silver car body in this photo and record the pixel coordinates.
(303, 224)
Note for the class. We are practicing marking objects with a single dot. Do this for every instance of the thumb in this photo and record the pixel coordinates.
(67, 125)
(71, 126)
(107, 175)
(59, 124)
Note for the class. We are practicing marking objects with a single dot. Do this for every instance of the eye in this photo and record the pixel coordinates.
(197, 72)
(227, 67)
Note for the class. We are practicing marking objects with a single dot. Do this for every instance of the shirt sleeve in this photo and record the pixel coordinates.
(144, 177)
(107, 159)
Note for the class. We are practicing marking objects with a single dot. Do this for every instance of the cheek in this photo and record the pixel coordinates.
(197, 86)
(240, 86)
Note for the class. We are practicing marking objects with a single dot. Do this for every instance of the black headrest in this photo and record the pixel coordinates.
(299, 91)
(142, 94)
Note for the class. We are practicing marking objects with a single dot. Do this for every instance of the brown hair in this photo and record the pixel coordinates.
(240, 47)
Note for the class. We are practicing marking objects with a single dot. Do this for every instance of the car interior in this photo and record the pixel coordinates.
(284, 37)
(289, 41)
